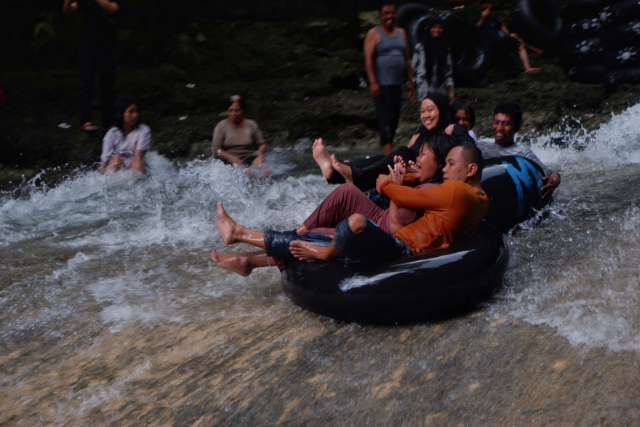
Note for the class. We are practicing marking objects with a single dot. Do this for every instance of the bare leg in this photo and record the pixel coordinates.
(343, 169)
(322, 158)
(233, 232)
(301, 229)
(306, 251)
(524, 57)
(388, 149)
(242, 263)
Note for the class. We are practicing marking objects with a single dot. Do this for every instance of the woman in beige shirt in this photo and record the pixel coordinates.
(236, 140)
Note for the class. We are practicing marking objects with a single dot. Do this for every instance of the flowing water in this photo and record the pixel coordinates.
(112, 312)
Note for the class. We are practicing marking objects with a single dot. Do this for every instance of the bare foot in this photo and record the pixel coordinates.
(226, 225)
(306, 251)
(532, 69)
(322, 158)
(342, 169)
(233, 262)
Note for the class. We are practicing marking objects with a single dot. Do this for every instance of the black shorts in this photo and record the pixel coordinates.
(371, 244)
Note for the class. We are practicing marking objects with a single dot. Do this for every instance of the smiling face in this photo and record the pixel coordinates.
(457, 167)
(235, 113)
(429, 114)
(388, 16)
(504, 129)
(436, 31)
(426, 164)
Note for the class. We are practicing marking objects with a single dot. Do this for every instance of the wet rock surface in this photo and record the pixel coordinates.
(301, 79)
(293, 368)
(239, 352)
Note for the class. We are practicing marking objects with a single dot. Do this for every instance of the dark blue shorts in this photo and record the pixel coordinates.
(371, 244)
(276, 243)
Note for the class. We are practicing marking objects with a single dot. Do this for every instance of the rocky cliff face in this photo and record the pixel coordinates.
(303, 78)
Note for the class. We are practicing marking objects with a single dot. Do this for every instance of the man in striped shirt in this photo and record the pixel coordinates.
(507, 118)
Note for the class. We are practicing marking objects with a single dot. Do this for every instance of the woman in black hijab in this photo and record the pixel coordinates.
(435, 117)
(431, 63)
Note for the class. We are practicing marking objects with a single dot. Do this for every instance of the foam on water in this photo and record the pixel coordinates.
(138, 250)
(578, 272)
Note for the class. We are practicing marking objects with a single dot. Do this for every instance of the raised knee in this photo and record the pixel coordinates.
(357, 222)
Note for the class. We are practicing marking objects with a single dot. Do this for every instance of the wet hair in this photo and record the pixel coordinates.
(472, 154)
(510, 108)
(121, 107)
(458, 105)
(440, 144)
(235, 98)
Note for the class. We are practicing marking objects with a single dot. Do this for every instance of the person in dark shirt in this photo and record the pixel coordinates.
(96, 56)
(501, 40)
(387, 61)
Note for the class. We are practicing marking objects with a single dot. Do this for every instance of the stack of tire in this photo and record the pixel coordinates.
(620, 22)
(538, 22)
(582, 49)
(469, 52)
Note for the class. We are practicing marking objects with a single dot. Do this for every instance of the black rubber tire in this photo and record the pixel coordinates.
(417, 27)
(470, 53)
(409, 12)
(617, 13)
(623, 35)
(576, 10)
(588, 73)
(623, 76)
(589, 27)
(513, 186)
(622, 58)
(538, 22)
(585, 51)
(424, 286)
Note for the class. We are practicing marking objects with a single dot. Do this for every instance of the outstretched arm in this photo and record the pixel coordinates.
(483, 16)
(551, 183)
(422, 199)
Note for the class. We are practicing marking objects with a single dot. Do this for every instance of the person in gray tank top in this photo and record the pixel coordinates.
(387, 61)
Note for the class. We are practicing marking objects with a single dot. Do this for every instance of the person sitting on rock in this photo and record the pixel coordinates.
(500, 39)
(507, 119)
(125, 145)
(451, 213)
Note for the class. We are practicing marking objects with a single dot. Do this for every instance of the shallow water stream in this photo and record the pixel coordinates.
(112, 312)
